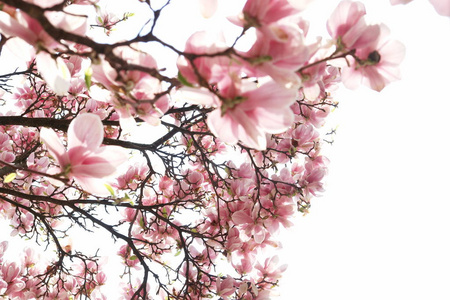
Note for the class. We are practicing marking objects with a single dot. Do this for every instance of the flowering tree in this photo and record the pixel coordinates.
(231, 151)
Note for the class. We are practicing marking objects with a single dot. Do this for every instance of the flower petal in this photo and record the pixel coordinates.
(55, 73)
(200, 96)
(54, 146)
(11, 27)
(95, 186)
(100, 164)
(85, 130)
(241, 217)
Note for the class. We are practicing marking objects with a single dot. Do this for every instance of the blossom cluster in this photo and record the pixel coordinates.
(237, 152)
(23, 279)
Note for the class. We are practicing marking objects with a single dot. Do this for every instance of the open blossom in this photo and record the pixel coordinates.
(261, 12)
(280, 51)
(270, 268)
(374, 59)
(249, 222)
(225, 287)
(85, 159)
(375, 66)
(248, 111)
(203, 42)
(349, 28)
(10, 273)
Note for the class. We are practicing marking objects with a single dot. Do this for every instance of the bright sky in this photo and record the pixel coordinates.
(381, 230)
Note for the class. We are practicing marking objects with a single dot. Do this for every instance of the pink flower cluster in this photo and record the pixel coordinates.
(238, 154)
(252, 91)
(249, 106)
(374, 58)
(27, 31)
(133, 93)
(22, 279)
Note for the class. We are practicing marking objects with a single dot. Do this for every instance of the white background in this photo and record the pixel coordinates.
(382, 228)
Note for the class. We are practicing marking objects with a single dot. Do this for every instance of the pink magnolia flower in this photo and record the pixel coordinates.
(270, 268)
(315, 171)
(344, 17)
(250, 220)
(85, 159)
(261, 12)
(264, 109)
(247, 110)
(225, 287)
(29, 31)
(375, 66)
(203, 42)
(56, 73)
(11, 274)
(348, 26)
(279, 51)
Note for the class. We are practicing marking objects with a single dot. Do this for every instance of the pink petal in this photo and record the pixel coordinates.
(114, 154)
(54, 146)
(311, 91)
(70, 20)
(97, 167)
(372, 78)
(346, 14)
(274, 120)
(241, 217)
(21, 49)
(11, 27)
(101, 164)
(269, 95)
(361, 35)
(351, 78)
(223, 127)
(104, 73)
(393, 52)
(55, 73)
(442, 7)
(85, 130)
(248, 132)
